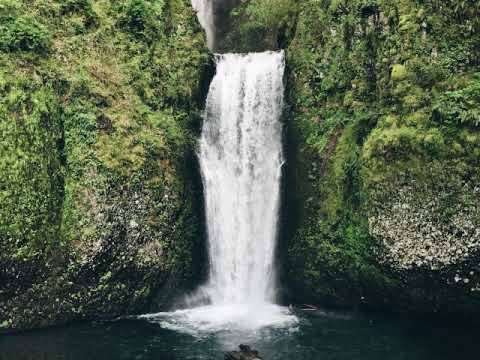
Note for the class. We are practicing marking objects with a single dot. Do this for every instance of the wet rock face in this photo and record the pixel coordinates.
(123, 254)
(221, 11)
(245, 353)
(385, 195)
(427, 227)
(100, 215)
(221, 8)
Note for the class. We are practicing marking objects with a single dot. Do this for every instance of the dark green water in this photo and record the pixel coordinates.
(319, 336)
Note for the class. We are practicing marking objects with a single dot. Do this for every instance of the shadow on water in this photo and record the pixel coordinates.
(320, 335)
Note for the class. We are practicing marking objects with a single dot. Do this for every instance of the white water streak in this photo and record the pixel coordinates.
(241, 159)
(205, 14)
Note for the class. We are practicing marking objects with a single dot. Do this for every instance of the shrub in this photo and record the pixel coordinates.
(425, 73)
(460, 106)
(399, 72)
(142, 19)
(80, 6)
(24, 34)
(259, 25)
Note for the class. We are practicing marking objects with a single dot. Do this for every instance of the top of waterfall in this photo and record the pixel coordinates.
(240, 155)
(220, 56)
(204, 9)
(213, 15)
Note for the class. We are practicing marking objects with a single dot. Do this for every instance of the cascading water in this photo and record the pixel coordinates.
(204, 9)
(241, 159)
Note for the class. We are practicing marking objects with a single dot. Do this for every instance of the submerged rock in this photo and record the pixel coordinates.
(245, 353)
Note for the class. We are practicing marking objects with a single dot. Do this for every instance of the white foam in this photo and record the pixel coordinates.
(238, 318)
(241, 157)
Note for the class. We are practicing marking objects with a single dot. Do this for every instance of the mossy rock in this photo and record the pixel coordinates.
(399, 72)
(381, 109)
(100, 206)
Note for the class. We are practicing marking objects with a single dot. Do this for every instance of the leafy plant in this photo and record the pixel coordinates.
(260, 24)
(24, 34)
(460, 106)
(143, 19)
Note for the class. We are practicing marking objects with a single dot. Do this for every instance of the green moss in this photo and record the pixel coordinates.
(94, 160)
(31, 178)
(399, 72)
(383, 95)
(259, 25)
(23, 34)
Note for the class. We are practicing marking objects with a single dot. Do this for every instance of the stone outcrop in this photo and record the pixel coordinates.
(101, 211)
(383, 144)
(245, 353)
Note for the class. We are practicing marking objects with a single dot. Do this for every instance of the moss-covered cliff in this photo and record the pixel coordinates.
(99, 105)
(101, 210)
(384, 144)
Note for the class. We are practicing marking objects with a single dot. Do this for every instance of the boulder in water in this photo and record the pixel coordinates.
(245, 353)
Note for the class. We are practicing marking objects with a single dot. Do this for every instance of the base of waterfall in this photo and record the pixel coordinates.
(241, 159)
(209, 319)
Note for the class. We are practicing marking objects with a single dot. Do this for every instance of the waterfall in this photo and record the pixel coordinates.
(204, 9)
(241, 159)
(213, 15)
(240, 154)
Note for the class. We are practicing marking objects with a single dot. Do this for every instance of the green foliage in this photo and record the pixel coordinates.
(69, 6)
(269, 14)
(380, 93)
(93, 170)
(399, 72)
(260, 24)
(23, 34)
(30, 177)
(83, 7)
(460, 106)
(142, 19)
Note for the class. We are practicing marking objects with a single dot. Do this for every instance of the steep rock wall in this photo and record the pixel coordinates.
(99, 109)
(384, 144)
